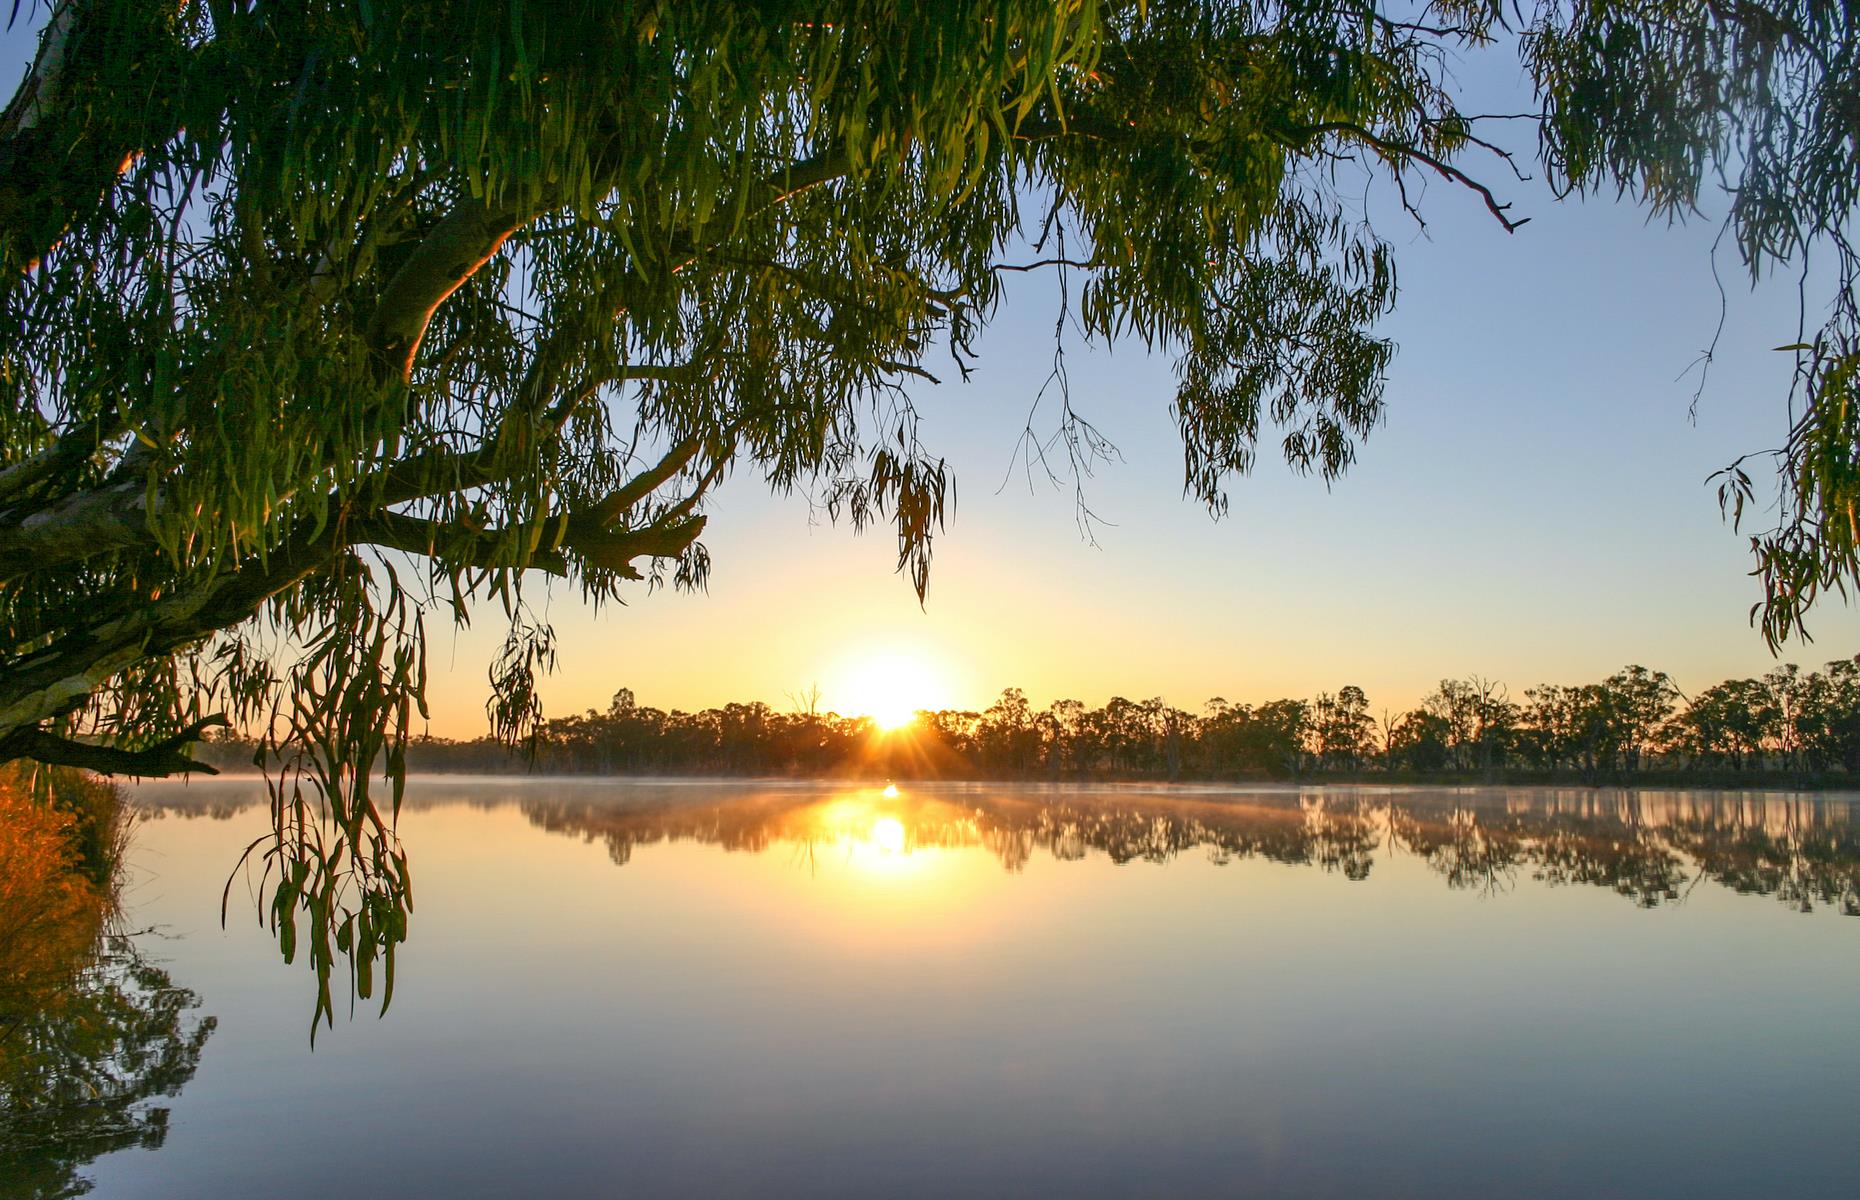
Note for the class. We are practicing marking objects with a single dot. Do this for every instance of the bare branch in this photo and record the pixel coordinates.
(1392, 151)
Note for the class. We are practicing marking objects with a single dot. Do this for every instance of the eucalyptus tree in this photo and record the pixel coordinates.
(322, 317)
(1729, 721)
(1831, 717)
(1341, 728)
(1640, 704)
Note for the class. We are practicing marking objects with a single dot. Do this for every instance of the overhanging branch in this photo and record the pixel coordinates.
(487, 549)
(463, 241)
(166, 757)
(64, 454)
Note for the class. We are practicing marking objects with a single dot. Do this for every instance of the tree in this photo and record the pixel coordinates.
(1574, 725)
(1640, 703)
(1342, 731)
(1010, 734)
(1831, 720)
(1729, 721)
(1418, 741)
(1174, 727)
(1475, 718)
(1273, 739)
(1456, 704)
(1067, 750)
(321, 317)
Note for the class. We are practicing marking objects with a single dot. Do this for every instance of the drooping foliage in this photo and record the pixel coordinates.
(1660, 100)
(325, 317)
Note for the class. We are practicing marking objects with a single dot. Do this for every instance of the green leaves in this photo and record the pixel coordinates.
(440, 279)
(1815, 546)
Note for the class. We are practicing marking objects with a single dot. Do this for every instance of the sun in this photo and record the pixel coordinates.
(891, 685)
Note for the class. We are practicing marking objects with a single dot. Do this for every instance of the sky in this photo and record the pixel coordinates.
(1534, 509)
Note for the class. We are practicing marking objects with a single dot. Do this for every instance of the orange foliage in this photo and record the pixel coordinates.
(50, 913)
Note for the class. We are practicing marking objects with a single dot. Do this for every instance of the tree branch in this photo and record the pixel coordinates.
(166, 757)
(64, 454)
(1392, 150)
(489, 549)
(77, 527)
(463, 241)
(60, 678)
(60, 152)
(615, 549)
(641, 485)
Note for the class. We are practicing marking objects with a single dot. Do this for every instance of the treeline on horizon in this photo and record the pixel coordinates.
(1634, 724)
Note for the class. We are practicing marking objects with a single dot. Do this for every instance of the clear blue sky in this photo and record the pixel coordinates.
(1535, 509)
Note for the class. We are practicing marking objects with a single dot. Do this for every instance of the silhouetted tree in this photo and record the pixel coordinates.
(1627, 723)
(1639, 703)
(1830, 720)
(1418, 741)
(1727, 722)
(1341, 728)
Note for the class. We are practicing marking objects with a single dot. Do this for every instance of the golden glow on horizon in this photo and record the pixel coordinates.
(890, 686)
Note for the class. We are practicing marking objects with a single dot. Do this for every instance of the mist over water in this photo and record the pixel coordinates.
(694, 988)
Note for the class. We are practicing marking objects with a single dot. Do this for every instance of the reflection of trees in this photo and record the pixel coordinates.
(1650, 847)
(80, 1075)
(1484, 851)
(1643, 867)
(1468, 851)
(1801, 871)
(91, 1033)
(1014, 828)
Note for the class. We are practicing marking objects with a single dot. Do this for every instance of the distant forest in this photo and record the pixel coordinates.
(1633, 725)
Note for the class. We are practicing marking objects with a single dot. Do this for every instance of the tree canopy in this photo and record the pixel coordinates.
(323, 316)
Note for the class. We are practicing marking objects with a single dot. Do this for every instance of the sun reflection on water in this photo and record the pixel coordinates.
(873, 830)
(888, 835)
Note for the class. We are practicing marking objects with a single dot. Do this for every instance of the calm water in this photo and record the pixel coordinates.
(712, 989)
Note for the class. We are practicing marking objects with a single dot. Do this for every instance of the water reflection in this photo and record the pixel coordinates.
(1652, 848)
(1648, 846)
(92, 1034)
